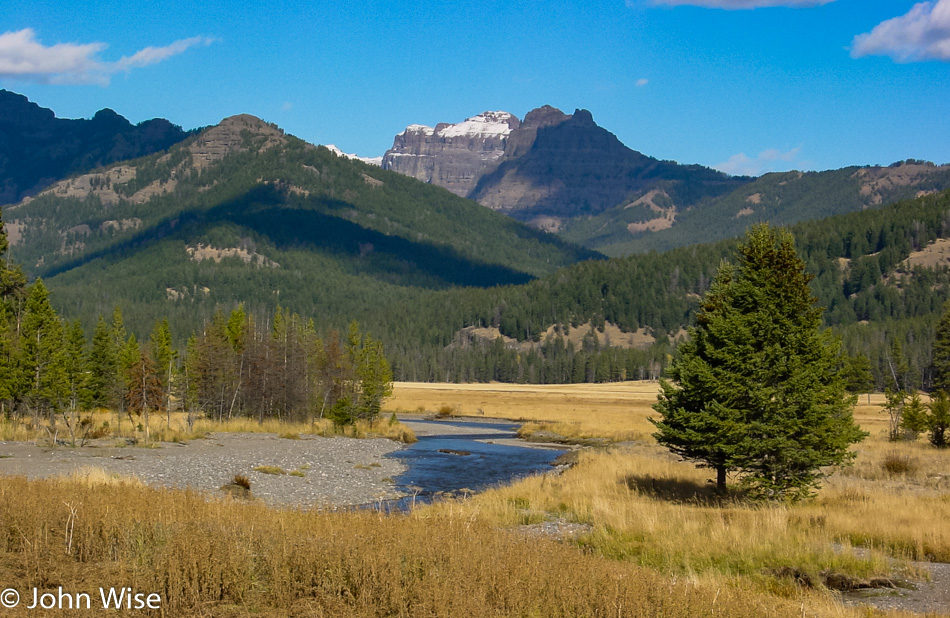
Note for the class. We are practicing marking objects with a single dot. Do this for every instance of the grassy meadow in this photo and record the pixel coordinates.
(654, 539)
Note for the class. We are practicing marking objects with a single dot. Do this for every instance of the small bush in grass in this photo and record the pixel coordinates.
(241, 481)
(897, 464)
(445, 411)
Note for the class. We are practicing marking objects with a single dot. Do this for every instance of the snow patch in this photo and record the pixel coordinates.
(377, 161)
(419, 128)
(486, 124)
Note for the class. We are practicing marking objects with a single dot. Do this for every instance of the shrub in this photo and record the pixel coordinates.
(897, 464)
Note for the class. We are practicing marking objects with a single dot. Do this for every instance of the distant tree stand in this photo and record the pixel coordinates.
(757, 388)
(145, 392)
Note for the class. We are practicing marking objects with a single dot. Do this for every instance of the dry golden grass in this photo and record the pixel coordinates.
(175, 428)
(615, 411)
(647, 507)
(661, 542)
(229, 558)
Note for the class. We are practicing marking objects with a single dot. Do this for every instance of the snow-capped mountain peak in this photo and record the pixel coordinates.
(485, 124)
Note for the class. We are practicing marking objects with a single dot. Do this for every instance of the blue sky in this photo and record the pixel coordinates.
(747, 86)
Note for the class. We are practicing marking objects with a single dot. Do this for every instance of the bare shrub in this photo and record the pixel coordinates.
(898, 464)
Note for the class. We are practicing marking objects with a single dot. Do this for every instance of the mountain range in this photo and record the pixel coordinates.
(241, 212)
(565, 174)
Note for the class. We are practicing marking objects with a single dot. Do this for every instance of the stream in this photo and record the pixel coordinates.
(459, 456)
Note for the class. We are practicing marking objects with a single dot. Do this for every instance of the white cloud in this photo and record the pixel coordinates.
(732, 5)
(24, 57)
(642, 82)
(921, 34)
(153, 55)
(767, 161)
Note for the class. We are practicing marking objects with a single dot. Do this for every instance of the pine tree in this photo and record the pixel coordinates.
(103, 368)
(10, 374)
(938, 419)
(857, 375)
(757, 387)
(12, 294)
(375, 379)
(76, 365)
(43, 354)
(940, 362)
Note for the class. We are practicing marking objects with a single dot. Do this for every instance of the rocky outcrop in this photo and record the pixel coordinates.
(453, 156)
(215, 143)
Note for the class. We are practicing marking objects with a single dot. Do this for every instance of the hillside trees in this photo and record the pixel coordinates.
(757, 387)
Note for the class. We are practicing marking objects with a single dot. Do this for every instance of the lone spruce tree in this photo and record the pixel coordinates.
(757, 388)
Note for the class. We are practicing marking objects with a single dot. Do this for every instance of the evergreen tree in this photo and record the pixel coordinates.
(757, 387)
(12, 292)
(914, 419)
(76, 365)
(10, 375)
(103, 368)
(375, 379)
(43, 354)
(857, 375)
(938, 419)
(940, 358)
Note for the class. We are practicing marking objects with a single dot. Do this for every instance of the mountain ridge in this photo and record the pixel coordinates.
(38, 148)
(567, 175)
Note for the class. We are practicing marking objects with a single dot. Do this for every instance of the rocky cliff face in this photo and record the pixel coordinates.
(546, 170)
(453, 156)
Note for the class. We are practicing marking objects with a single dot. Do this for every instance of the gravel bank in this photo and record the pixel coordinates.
(335, 471)
(931, 597)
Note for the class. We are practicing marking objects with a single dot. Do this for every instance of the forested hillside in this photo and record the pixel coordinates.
(244, 213)
(873, 296)
(785, 198)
